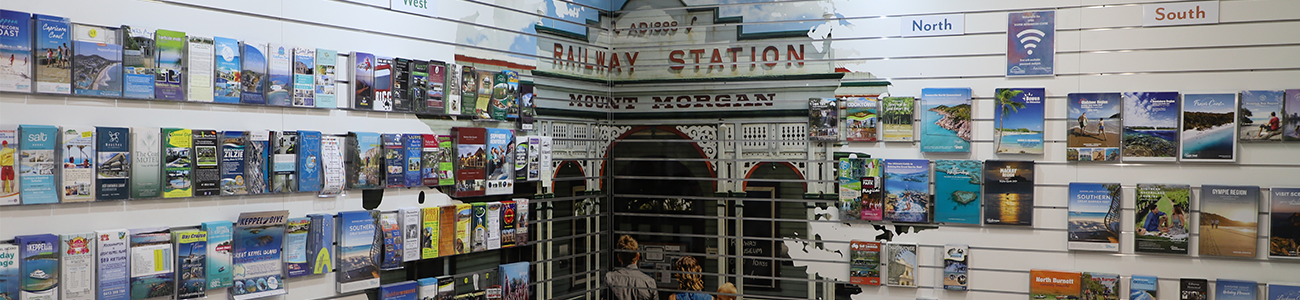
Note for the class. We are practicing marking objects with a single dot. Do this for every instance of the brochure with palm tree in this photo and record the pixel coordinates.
(1019, 117)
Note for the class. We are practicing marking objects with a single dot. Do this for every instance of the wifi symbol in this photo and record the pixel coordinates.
(1030, 39)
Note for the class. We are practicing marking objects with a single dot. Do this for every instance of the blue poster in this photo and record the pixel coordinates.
(1031, 43)
(1225, 289)
(945, 120)
(957, 191)
(907, 190)
(1283, 292)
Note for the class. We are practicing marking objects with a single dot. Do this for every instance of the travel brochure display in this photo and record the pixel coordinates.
(1031, 40)
(138, 63)
(178, 182)
(1284, 223)
(1009, 192)
(901, 265)
(514, 280)
(1094, 216)
(860, 121)
(1209, 131)
(320, 244)
(199, 69)
(1229, 219)
(853, 172)
(257, 256)
(957, 191)
(227, 66)
(1093, 129)
(896, 117)
(252, 82)
(279, 73)
(1143, 287)
(167, 79)
(304, 79)
(295, 247)
(1291, 125)
(907, 190)
(191, 249)
(956, 261)
(113, 267)
(326, 94)
(1045, 284)
(1193, 289)
(207, 163)
(359, 247)
(146, 162)
(9, 273)
(1150, 126)
(393, 242)
(823, 119)
(1227, 289)
(233, 149)
(219, 272)
(946, 120)
(1019, 117)
(16, 76)
(36, 164)
(1261, 116)
(113, 155)
(1099, 286)
(257, 155)
(1162, 215)
(383, 83)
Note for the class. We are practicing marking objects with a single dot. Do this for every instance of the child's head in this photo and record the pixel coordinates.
(726, 288)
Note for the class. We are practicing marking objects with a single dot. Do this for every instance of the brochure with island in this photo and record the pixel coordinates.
(957, 191)
(946, 120)
(1150, 126)
(1209, 131)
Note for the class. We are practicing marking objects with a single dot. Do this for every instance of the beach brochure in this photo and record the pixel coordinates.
(823, 118)
(945, 120)
(1093, 127)
(1209, 131)
(1094, 216)
(1150, 126)
(358, 251)
(257, 257)
(957, 191)
(1229, 220)
(1291, 125)
(896, 117)
(1261, 116)
(1045, 284)
(1009, 192)
(1284, 222)
(907, 190)
(861, 120)
(1018, 120)
(1161, 217)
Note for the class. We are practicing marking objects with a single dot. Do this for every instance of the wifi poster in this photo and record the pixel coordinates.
(1031, 43)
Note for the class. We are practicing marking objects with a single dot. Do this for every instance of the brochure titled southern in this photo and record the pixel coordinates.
(257, 255)
(1094, 216)
(358, 268)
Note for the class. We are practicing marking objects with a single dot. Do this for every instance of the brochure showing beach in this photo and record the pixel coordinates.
(1018, 117)
(1093, 123)
(945, 120)
(1229, 220)
(1150, 126)
(1261, 116)
(1208, 131)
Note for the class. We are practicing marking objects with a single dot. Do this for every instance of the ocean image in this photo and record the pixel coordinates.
(1009, 192)
(47, 266)
(1261, 116)
(1091, 227)
(957, 191)
(253, 76)
(98, 70)
(1150, 126)
(907, 190)
(1291, 127)
(227, 80)
(280, 76)
(1018, 119)
(945, 120)
(157, 285)
(1209, 122)
(1090, 205)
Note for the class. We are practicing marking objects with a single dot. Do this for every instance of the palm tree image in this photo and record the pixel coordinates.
(1008, 107)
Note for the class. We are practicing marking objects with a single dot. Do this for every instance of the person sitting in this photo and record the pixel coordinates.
(1271, 127)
